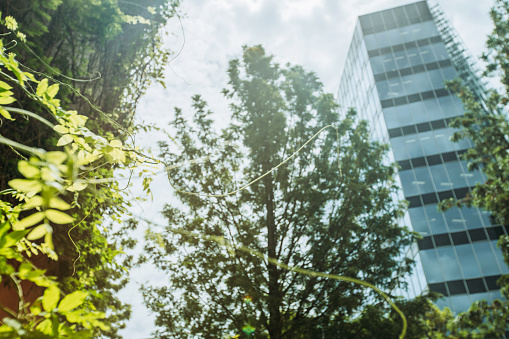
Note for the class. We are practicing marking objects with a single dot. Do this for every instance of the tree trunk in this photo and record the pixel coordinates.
(274, 300)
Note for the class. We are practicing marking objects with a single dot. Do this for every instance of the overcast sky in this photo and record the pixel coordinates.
(313, 33)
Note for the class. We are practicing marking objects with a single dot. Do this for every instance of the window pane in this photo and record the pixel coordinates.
(431, 266)
(449, 263)
(486, 258)
(436, 219)
(468, 261)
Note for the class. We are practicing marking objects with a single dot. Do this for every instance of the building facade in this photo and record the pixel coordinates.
(394, 77)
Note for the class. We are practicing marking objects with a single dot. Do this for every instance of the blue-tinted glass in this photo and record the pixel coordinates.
(399, 148)
(413, 146)
(444, 302)
(433, 109)
(419, 221)
(401, 59)
(423, 179)
(486, 218)
(377, 64)
(422, 80)
(449, 73)
(461, 303)
(427, 54)
(383, 89)
(443, 142)
(405, 116)
(436, 79)
(431, 267)
(440, 51)
(471, 216)
(418, 112)
(389, 63)
(395, 88)
(468, 261)
(370, 42)
(436, 219)
(448, 106)
(449, 263)
(486, 258)
(454, 219)
(500, 257)
(414, 57)
(428, 143)
(429, 29)
(410, 187)
(439, 175)
(456, 174)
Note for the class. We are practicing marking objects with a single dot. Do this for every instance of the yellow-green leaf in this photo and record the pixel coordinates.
(52, 90)
(39, 232)
(5, 85)
(64, 140)
(5, 113)
(116, 143)
(28, 170)
(6, 100)
(42, 87)
(61, 129)
(56, 157)
(76, 187)
(50, 298)
(33, 202)
(31, 220)
(59, 217)
(59, 204)
(26, 185)
(72, 301)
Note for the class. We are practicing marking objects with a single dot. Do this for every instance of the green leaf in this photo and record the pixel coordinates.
(39, 232)
(59, 217)
(50, 298)
(5, 114)
(58, 203)
(6, 100)
(11, 238)
(64, 140)
(28, 170)
(72, 301)
(25, 185)
(45, 327)
(5, 86)
(61, 129)
(42, 87)
(56, 157)
(52, 91)
(33, 202)
(28, 221)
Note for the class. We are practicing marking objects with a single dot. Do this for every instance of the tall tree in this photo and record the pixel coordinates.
(107, 51)
(486, 124)
(330, 208)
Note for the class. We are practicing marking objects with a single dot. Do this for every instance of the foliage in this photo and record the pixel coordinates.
(104, 55)
(486, 124)
(309, 213)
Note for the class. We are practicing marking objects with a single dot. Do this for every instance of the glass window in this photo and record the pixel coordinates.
(414, 57)
(370, 41)
(486, 258)
(500, 257)
(423, 180)
(460, 303)
(436, 219)
(399, 148)
(377, 64)
(408, 182)
(401, 59)
(433, 109)
(449, 73)
(440, 51)
(471, 216)
(390, 116)
(419, 221)
(431, 267)
(456, 174)
(427, 54)
(448, 106)
(436, 79)
(449, 263)
(455, 220)
(413, 146)
(468, 261)
(405, 115)
(439, 175)
(443, 141)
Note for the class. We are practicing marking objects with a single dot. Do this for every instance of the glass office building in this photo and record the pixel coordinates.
(394, 77)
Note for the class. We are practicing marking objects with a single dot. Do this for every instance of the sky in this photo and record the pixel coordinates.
(313, 33)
